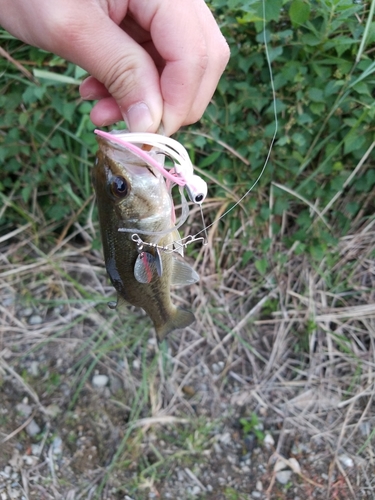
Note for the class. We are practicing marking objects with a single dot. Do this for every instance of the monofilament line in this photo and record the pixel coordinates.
(274, 134)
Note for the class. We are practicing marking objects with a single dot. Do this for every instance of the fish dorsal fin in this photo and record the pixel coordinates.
(182, 273)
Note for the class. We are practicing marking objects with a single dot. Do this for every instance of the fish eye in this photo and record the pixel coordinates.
(198, 198)
(119, 187)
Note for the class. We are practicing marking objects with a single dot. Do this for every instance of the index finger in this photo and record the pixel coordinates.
(195, 53)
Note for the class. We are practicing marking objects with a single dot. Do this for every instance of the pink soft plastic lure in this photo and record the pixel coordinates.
(182, 172)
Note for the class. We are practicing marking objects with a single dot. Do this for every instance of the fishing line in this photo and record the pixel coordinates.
(273, 137)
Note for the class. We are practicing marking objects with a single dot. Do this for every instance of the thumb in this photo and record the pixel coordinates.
(125, 69)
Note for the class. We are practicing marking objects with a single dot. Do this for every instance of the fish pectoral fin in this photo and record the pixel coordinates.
(179, 319)
(182, 273)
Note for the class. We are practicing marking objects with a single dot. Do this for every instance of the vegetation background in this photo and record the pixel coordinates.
(284, 342)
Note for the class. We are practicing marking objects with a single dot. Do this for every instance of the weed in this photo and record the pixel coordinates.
(252, 425)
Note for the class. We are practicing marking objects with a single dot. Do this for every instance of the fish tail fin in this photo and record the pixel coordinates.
(179, 319)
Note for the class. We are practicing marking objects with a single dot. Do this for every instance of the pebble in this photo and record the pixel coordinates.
(136, 364)
(58, 309)
(256, 494)
(30, 460)
(35, 449)
(180, 476)
(269, 441)
(7, 472)
(26, 312)
(298, 448)
(100, 380)
(57, 445)
(24, 409)
(53, 410)
(35, 319)
(224, 438)
(218, 367)
(115, 385)
(346, 461)
(283, 477)
(365, 428)
(9, 300)
(34, 368)
(250, 442)
(195, 490)
(259, 486)
(33, 428)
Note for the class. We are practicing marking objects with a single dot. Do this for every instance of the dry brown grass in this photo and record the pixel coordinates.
(295, 347)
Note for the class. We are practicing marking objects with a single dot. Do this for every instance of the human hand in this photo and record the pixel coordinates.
(151, 61)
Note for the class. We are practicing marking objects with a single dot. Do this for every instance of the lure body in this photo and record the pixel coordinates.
(133, 195)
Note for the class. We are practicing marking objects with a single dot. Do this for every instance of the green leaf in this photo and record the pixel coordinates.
(316, 94)
(272, 10)
(310, 39)
(353, 142)
(210, 159)
(274, 52)
(299, 11)
(261, 266)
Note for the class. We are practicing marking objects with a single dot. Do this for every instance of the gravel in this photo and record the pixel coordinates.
(100, 381)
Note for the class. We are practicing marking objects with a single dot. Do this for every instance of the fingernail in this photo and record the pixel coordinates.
(138, 118)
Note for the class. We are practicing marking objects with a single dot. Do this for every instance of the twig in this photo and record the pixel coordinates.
(18, 65)
(195, 479)
(19, 429)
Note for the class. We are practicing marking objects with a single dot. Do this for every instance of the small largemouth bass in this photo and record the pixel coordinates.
(132, 195)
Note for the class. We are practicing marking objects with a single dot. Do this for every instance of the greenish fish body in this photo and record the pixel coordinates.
(133, 195)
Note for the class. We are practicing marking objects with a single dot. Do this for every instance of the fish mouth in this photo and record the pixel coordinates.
(128, 160)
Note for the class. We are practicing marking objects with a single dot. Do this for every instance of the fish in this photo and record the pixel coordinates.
(133, 196)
